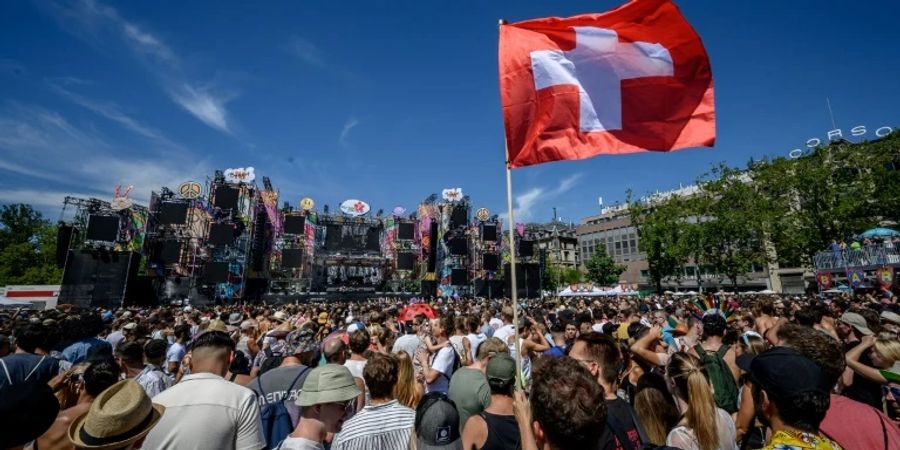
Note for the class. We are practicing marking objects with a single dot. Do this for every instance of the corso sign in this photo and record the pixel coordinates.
(834, 135)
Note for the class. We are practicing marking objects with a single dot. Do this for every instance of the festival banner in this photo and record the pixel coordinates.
(825, 280)
(856, 278)
(886, 277)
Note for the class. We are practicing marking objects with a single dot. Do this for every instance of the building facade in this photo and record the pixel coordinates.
(558, 241)
(612, 231)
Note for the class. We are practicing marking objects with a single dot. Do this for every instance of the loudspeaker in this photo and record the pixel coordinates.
(432, 248)
(64, 236)
(459, 246)
(489, 232)
(98, 278)
(489, 261)
(294, 224)
(258, 249)
(291, 258)
(215, 272)
(459, 217)
(169, 252)
(406, 231)
(406, 261)
(103, 228)
(221, 234)
(429, 288)
(528, 280)
(488, 288)
(459, 277)
(226, 197)
(173, 213)
(526, 248)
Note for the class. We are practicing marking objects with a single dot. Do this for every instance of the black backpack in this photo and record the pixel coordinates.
(271, 361)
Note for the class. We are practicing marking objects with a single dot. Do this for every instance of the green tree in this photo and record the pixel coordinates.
(602, 269)
(27, 247)
(550, 278)
(661, 229)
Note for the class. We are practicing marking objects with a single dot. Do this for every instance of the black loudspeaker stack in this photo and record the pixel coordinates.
(64, 236)
(432, 247)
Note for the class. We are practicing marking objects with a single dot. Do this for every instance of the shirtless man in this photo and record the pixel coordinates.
(98, 376)
(765, 317)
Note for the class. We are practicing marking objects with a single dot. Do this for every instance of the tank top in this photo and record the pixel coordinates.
(457, 343)
(503, 432)
(474, 341)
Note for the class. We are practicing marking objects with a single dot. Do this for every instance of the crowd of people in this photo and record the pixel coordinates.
(774, 372)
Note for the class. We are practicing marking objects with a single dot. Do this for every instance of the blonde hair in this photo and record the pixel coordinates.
(692, 386)
(889, 349)
(655, 413)
(406, 390)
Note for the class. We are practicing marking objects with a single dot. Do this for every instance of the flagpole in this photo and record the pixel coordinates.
(512, 269)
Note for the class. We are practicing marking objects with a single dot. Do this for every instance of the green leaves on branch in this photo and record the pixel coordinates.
(27, 247)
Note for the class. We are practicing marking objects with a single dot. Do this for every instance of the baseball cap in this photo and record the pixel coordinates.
(501, 370)
(857, 321)
(768, 370)
(437, 423)
(327, 384)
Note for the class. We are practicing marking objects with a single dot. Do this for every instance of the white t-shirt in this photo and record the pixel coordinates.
(443, 363)
(206, 412)
(296, 443)
(474, 341)
(504, 333)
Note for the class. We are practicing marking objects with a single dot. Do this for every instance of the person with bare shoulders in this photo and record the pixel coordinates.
(765, 317)
(98, 376)
(495, 428)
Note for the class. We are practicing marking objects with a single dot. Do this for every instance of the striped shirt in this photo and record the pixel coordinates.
(388, 427)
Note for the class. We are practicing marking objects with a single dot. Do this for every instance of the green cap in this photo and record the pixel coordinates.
(501, 370)
(330, 383)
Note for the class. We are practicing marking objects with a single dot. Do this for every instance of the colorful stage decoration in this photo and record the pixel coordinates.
(355, 208)
(825, 280)
(399, 211)
(120, 199)
(240, 175)
(307, 203)
(452, 194)
(190, 190)
(482, 214)
(856, 278)
(886, 277)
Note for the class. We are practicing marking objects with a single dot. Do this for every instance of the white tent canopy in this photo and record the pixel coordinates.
(594, 291)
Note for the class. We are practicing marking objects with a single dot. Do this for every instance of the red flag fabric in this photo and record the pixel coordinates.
(633, 79)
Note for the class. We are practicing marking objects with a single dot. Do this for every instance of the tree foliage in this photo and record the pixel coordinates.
(27, 247)
(775, 211)
(602, 269)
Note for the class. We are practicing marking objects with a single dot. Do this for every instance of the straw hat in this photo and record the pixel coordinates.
(119, 416)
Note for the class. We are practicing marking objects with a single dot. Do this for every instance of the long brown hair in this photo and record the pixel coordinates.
(406, 390)
(655, 407)
(692, 386)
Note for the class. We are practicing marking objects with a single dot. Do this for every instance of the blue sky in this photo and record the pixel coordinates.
(388, 101)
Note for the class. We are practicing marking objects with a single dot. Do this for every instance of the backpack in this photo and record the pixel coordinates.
(276, 420)
(271, 361)
(457, 363)
(726, 390)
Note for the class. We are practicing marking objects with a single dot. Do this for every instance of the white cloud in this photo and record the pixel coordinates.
(112, 112)
(93, 22)
(40, 200)
(345, 132)
(42, 144)
(526, 203)
(306, 51)
(205, 106)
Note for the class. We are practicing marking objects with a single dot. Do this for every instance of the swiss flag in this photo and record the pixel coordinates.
(633, 79)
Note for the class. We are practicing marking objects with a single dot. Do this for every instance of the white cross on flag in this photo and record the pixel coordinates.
(633, 79)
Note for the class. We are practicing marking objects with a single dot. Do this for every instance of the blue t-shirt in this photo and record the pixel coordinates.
(15, 368)
(80, 350)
